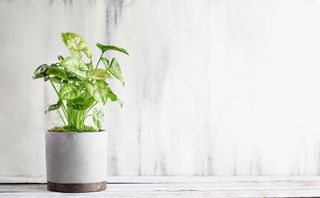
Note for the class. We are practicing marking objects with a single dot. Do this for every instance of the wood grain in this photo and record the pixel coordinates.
(185, 187)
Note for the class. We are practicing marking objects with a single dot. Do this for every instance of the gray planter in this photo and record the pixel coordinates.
(76, 162)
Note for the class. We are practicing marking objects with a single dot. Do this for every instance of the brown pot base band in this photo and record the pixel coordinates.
(77, 188)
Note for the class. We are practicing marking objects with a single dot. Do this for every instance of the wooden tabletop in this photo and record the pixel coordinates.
(170, 187)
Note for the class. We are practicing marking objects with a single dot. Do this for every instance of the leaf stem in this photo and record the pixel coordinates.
(88, 115)
(91, 107)
(99, 60)
(61, 117)
(55, 89)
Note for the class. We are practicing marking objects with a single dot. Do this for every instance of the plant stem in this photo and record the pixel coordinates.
(61, 117)
(99, 60)
(88, 115)
(55, 89)
(91, 107)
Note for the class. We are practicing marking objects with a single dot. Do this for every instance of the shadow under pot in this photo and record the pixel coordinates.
(76, 162)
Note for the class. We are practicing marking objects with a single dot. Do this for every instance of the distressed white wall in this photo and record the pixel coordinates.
(222, 87)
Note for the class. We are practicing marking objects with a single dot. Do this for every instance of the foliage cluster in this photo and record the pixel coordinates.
(79, 84)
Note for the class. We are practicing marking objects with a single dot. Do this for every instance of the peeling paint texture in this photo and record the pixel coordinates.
(212, 87)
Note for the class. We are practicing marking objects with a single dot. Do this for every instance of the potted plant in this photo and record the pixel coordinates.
(76, 153)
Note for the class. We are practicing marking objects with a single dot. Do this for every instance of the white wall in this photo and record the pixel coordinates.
(212, 87)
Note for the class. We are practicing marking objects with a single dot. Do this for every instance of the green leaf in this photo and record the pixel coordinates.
(99, 91)
(105, 48)
(40, 72)
(97, 118)
(56, 79)
(60, 58)
(113, 97)
(105, 62)
(115, 70)
(75, 79)
(89, 65)
(98, 74)
(75, 65)
(83, 102)
(76, 44)
(68, 92)
(54, 106)
(55, 71)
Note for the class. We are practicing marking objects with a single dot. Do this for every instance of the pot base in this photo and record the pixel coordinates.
(77, 187)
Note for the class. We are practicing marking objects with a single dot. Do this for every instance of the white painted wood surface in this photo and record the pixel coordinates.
(213, 87)
(184, 187)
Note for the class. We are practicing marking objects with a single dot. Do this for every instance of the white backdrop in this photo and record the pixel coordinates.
(213, 87)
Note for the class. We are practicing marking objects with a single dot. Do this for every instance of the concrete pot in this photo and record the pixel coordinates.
(76, 162)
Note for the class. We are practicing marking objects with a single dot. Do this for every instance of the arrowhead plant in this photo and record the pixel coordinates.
(80, 85)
